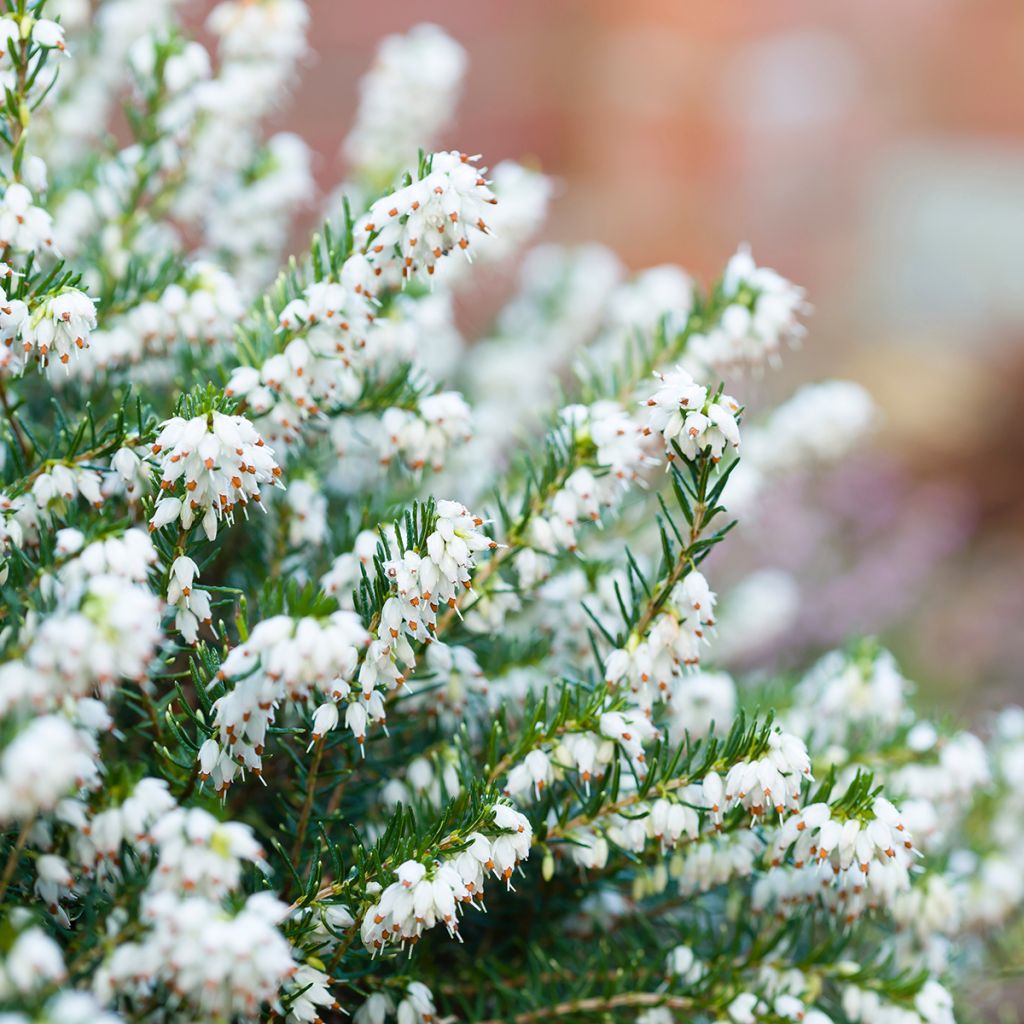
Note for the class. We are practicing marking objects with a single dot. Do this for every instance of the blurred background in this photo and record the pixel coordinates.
(872, 152)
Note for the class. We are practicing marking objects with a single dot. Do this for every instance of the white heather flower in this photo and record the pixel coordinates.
(375, 1010)
(588, 849)
(630, 729)
(307, 506)
(325, 718)
(192, 606)
(928, 909)
(854, 865)
(683, 964)
(24, 227)
(425, 895)
(48, 759)
(699, 700)
(222, 966)
(53, 883)
(134, 471)
(77, 1007)
(129, 556)
(310, 990)
(654, 669)
(13, 313)
(820, 423)
(109, 632)
(422, 584)
(773, 781)
(408, 232)
(197, 854)
(61, 325)
(418, 1005)
(346, 570)
(591, 755)
(621, 456)
(686, 414)
(283, 659)
(460, 677)
(762, 316)
(48, 34)
(323, 359)
(523, 195)
(422, 436)
(63, 483)
(98, 844)
(220, 460)
(745, 1008)
(33, 962)
(934, 1003)
(656, 1015)
(405, 99)
(534, 774)
(841, 695)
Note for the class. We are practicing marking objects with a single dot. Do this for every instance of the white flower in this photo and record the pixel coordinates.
(53, 883)
(283, 659)
(307, 522)
(24, 227)
(418, 1005)
(535, 772)
(620, 449)
(375, 1010)
(61, 325)
(630, 729)
(133, 470)
(48, 759)
(33, 962)
(854, 865)
(762, 316)
(222, 966)
(405, 98)
(13, 313)
(588, 849)
(683, 964)
(220, 461)
(425, 895)
(110, 631)
(773, 781)
(408, 232)
(423, 436)
(197, 854)
(311, 991)
(654, 668)
(687, 415)
(49, 34)
(192, 607)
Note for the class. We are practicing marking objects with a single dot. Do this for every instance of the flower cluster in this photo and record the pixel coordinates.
(406, 97)
(283, 659)
(209, 465)
(620, 457)
(60, 327)
(104, 625)
(772, 782)
(687, 415)
(425, 895)
(856, 865)
(761, 315)
(654, 668)
(408, 232)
